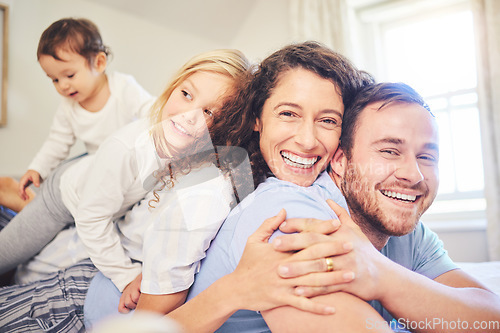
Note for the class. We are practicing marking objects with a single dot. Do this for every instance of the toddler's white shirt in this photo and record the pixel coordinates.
(128, 101)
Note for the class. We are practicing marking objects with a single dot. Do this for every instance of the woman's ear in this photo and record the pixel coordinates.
(257, 127)
(100, 62)
(338, 163)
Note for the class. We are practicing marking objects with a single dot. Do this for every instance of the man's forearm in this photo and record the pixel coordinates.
(452, 303)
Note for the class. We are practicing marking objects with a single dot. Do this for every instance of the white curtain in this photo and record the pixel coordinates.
(487, 24)
(322, 20)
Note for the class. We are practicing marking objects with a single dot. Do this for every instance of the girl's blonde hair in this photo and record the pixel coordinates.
(229, 62)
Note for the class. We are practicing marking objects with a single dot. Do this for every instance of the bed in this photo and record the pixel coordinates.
(487, 272)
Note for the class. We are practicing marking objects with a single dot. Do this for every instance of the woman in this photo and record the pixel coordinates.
(288, 118)
(293, 109)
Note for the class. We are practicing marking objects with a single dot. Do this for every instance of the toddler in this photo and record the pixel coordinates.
(94, 103)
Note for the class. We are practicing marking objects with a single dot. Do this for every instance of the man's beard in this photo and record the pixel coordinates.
(362, 201)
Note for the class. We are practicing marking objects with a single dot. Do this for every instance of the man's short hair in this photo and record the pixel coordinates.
(386, 93)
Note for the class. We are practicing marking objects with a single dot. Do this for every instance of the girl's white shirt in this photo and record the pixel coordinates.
(180, 229)
(103, 187)
(170, 239)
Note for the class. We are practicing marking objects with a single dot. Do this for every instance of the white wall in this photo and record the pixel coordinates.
(265, 30)
(151, 52)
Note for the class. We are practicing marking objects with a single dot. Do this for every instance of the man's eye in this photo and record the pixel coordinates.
(389, 152)
(429, 158)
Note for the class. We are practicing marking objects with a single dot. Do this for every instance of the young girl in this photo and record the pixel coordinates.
(94, 103)
(118, 175)
(99, 188)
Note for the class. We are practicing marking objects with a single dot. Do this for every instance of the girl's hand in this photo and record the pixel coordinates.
(130, 295)
(30, 177)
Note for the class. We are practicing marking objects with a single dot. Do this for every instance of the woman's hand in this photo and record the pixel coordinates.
(256, 276)
(351, 254)
(130, 295)
(311, 239)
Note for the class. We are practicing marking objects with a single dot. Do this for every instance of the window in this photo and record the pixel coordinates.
(433, 50)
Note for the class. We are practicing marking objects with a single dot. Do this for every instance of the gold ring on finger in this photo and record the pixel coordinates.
(329, 264)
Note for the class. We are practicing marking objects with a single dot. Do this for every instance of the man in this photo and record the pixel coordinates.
(387, 169)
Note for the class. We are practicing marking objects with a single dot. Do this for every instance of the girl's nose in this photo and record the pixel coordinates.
(192, 117)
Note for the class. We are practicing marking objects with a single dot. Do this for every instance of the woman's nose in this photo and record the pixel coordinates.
(306, 136)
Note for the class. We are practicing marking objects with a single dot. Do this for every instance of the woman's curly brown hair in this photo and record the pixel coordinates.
(236, 128)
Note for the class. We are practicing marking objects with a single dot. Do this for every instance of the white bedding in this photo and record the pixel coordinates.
(486, 272)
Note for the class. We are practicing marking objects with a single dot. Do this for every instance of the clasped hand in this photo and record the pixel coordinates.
(356, 262)
(292, 269)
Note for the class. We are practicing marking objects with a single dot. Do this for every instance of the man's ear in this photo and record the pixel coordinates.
(100, 62)
(338, 162)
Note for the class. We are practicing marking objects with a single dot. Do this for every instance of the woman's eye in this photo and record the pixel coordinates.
(330, 121)
(286, 113)
(187, 95)
(208, 112)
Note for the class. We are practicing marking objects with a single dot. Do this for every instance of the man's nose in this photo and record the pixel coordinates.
(409, 170)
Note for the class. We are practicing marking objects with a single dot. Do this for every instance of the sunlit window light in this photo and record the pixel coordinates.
(436, 56)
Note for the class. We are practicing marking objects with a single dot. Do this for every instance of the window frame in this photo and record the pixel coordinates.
(369, 19)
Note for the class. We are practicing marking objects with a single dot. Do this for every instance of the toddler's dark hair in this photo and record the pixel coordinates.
(78, 35)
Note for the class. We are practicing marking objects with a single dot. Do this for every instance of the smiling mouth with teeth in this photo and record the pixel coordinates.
(299, 162)
(399, 196)
(180, 128)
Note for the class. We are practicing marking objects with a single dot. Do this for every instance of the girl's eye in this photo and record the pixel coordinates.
(208, 112)
(187, 95)
(71, 76)
(55, 80)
